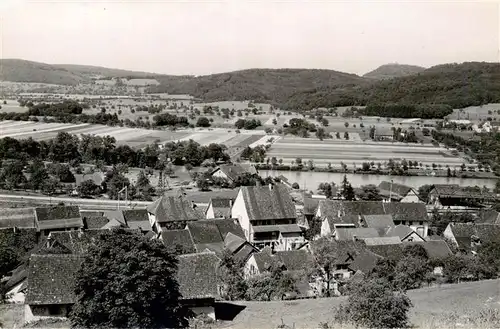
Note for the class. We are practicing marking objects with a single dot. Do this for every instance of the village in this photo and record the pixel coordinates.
(258, 227)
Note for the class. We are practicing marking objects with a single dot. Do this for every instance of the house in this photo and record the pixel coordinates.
(452, 197)
(268, 217)
(198, 284)
(210, 234)
(15, 286)
(397, 192)
(17, 217)
(58, 218)
(292, 260)
(240, 248)
(93, 221)
(172, 212)
(351, 214)
(97, 178)
(405, 233)
(232, 172)
(468, 236)
(137, 219)
(76, 242)
(219, 208)
(436, 249)
(50, 291)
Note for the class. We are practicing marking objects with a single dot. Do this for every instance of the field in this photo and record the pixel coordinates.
(354, 150)
(133, 137)
(433, 308)
(477, 113)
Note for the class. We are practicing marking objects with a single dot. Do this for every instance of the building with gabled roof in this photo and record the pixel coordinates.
(179, 240)
(452, 197)
(172, 212)
(219, 208)
(405, 233)
(137, 219)
(77, 242)
(94, 222)
(468, 236)
(50, 291)
(268, 217)
(233, 171)
(262, 261)
(391, 191)
(198, 283)
(58, 218)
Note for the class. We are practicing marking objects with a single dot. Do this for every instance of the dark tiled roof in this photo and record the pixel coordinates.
(182, 238)
(348, 234)
(229, 225)
(285, 228)
(113, 223)
(135, 215)
(384, 240)
(263, 202)
(233, 242)
(170, 208)
(197, 275)
(18, 275)
(96, 177)
(365, 261)
(91, 213)
(310, 206)
(398, 189)
(407, 211)
(402, 231)
(94, 222)
(264, 259)
(345, 250)
(204, 232)
(378, 220)
(51, 279)
(489, 216)
(390, 251)
(485, 232)
(17, 217)
(216, 247)
(295, 260)
(244, 252)
(221, 207)
(58, 217)
(456, 191)
(434, 249)
(233, 171)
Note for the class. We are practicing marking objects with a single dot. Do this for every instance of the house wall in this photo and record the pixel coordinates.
(448, 233)
(37, 312)
(411, 197)
(210, 212)
(289, 242)
(422, 229)
(325, 228)
(412, 237)
(240, 212)
(250, 268)
(14, 295)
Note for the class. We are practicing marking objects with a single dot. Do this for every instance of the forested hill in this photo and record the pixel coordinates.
(260, 85)
(389, 71)
(18, 70)
(456, 85)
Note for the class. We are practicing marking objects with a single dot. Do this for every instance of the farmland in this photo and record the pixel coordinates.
(335, 151)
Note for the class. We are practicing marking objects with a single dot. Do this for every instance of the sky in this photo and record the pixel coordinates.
(205, 36)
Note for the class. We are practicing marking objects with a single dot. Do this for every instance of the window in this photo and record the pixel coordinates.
(421, 223)
(54, 310)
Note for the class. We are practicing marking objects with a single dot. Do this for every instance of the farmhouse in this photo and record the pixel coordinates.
(455, 198)
(291, 260)
(397, 192)
(198, 284)
(405, 233)
(268, 217)
(59, 218)
(219, 208)
(50, 286)
(17, 217)
(351, 214)
(232, 172)
(172, 212)
(210, 234)
(468, 236)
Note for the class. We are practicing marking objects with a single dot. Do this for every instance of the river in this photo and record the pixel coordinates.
(310, 179)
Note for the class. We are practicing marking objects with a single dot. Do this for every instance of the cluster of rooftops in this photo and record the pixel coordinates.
(256, 225)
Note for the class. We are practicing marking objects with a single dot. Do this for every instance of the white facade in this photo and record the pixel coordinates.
(412, 237)
(448, 233)
(421, 227)
(411, 197)
(325, 228)
(14, 295)
(251, 269)
(220, 174)
(210, 212)
(239, 211)
(38, 312)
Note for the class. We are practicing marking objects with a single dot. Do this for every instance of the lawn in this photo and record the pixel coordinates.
(433, 308)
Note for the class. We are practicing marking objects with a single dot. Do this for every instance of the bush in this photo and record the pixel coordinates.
(373, 304)
(203, 122)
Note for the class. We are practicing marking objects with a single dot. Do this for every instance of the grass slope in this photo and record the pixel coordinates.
(433, 307)
(389, 71)
(259, 85)
(457, 85)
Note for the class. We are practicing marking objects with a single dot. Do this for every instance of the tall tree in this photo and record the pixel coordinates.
(135, 281)
(347, 190)
(369, 192)
(38, 174)
(231, 277)
(143, 186)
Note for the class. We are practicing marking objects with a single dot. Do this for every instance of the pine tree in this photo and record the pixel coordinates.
(347, 190)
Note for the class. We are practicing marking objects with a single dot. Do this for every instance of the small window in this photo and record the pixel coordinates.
(54, 310)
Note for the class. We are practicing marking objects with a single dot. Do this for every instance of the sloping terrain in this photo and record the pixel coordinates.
(456, 85)
(259, 85)
(389, 71)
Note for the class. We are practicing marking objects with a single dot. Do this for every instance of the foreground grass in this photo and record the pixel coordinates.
(466, 305)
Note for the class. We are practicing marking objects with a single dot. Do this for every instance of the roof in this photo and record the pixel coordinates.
(51, 279)
(398, 189)
(489, 216)
(434, 249)
(268, 202)
(402, 231)
(91, 213)
(340, 210)
(113, 223)
(94, 222)
(18, 275)
(463, 233)
(135, 215)
(390, 251)
(385, 240)
(233, 171)
(456, 191)
(365, 261)
(348, 234)
(285, 228)
(58, 217)
(177, 208)
(345, 250)
(96, 177)
(17, 217)
(204, 232)
(233, 242)
(221, 207)
(245, 252)
(310, 205)
(295, 260)
(264, 259)
(197, 275)
(180, 238)
(228, 225)
(75, 241)
(378, 220)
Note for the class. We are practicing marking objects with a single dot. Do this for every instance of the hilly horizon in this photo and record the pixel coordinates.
(393, 70)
